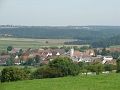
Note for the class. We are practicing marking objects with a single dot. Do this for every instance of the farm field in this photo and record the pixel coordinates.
(91, 82)
(32, 43)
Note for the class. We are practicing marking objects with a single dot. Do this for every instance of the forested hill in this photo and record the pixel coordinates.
(82, 33)
(107, 42)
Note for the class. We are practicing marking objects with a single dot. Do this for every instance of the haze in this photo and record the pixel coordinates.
(60, 12)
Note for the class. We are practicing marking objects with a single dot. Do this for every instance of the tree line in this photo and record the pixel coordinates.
(59, 67)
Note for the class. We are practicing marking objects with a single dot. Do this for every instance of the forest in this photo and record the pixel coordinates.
(97, 36)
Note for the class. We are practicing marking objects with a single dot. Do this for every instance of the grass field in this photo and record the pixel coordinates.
(91, 82)
(32, 43)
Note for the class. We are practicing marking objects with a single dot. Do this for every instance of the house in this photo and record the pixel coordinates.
(83, 58)
(60, 51)
(77, 53)
(90, 52)
(3, 59)
(113, 62)
(15, 50)
(17, 61)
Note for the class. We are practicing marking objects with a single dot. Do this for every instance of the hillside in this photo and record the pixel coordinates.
(82, 33)
(97, 36)
(91, 82)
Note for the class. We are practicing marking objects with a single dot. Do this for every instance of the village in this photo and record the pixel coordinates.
(47, 55)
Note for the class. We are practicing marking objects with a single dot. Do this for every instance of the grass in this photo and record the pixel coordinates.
(32, 68)
(91, 82)
(32, 43)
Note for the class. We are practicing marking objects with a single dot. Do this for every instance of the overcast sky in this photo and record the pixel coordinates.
(60, 12)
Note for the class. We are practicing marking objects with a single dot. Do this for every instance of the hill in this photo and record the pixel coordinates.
(91, 82)
(81, 33)
(97, 36)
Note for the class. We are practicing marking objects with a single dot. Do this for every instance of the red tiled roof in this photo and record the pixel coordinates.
(77, 53)
(114, 49)
(113, 62)
(44, 61)
(5, 56)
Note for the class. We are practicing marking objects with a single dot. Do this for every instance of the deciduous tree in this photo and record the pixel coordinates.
(118, 65)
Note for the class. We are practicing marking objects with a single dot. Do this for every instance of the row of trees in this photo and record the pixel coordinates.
(59, 67)
(96, 67)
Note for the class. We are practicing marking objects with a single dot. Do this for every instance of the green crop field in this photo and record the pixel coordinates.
(33, 43)
(91, 82)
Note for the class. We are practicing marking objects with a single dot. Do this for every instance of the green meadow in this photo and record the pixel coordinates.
(90, 82)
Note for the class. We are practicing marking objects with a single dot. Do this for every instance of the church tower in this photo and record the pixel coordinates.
(71, 51)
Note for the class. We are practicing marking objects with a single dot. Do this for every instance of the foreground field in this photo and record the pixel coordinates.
(32, 43)
(92, 82)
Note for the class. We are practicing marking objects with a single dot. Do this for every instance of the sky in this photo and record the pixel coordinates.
(60, 12)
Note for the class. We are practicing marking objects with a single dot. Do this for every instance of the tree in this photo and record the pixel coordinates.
(4, 53)
(10, 74)
(65, 66)
(10, 62)
(115, 54)
(118, 65)
(75, 48)
(22, 60)
(97, 67)
(104, 52)
(27, 70)
(84, 67)
(30, 61)
(84, 48)
(46, 72)
(20, 53)
(109, 67)
(37, 59)
(46, 42)
(96, 52)
(9, 48)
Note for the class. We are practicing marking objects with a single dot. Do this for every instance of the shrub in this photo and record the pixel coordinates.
(10, 74)
(65, 66)
(46, 72)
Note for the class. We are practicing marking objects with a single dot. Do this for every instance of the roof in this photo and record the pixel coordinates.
(89, 51)
(44, 61)
(77, 53)
(61, 51)
(16, 60)
(5, 56)
(113, 62)
(108, 56)
(2, 61)
(114, 49)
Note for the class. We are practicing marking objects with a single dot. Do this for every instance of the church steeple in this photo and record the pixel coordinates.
(71, 51)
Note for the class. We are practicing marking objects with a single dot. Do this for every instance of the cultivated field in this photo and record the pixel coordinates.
(91, 82)
(32, 43)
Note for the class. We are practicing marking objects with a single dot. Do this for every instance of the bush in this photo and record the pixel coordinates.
(65, 66)
(27, 70)
(10, 74)
(46, 72)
